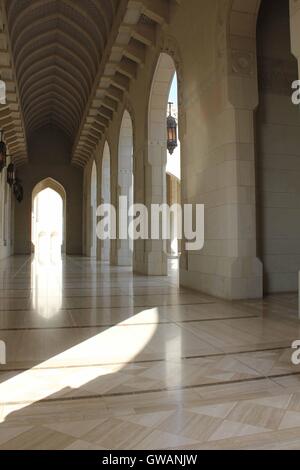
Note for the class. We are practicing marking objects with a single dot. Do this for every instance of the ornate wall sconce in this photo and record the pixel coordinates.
(2, 153)
(18, 190)
(10, 174)
(172, 142)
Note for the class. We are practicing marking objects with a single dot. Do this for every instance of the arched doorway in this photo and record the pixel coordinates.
(48, 219)
(165, 167)
(277, 151)
(93, 209)
(106, 196)
(125, 189)
(173, 175)
(49, 241)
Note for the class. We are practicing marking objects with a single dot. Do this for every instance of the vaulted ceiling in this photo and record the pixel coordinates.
(57, 46)
(69, 63)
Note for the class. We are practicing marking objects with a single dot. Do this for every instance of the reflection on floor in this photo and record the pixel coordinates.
(100, 359)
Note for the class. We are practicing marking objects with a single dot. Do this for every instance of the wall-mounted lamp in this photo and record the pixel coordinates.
(171, 132)
(18, 190)
(10, 174)
(2, 153)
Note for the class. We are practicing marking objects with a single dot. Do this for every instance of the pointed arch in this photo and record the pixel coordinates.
(106, 195)
(158, 101)
(125, 181)
(242, 20)
(50, 183)
(157, 259)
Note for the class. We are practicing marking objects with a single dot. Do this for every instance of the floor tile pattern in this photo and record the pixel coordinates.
(99, 358)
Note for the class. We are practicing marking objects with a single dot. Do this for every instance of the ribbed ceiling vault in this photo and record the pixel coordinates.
(70, 63)
(135, 30)
(11, 121)
(57, 47)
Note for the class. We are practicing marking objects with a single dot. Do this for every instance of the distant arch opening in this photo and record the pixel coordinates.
(106, 196)
(48, 233)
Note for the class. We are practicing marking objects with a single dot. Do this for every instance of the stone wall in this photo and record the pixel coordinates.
(49, 157)
(278, 151)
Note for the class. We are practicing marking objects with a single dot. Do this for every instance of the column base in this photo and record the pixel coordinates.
(155, 264)
(234, 279)
(124, 259)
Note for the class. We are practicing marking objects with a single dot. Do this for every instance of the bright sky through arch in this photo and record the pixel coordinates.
(173, 97)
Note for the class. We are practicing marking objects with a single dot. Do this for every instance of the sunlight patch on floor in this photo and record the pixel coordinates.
(46, 284)
(115, 347)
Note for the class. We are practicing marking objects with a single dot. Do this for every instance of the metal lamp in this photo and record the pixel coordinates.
(172, 142)
(10, 174)
(18, 190)
(2, 153)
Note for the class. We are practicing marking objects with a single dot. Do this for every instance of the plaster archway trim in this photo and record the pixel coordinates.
(106, 245)
(166, 65)
(92, 160)
(128, 107)
(106, 144)
(125, 180)
(93, 184)
(51, 184)
(170, 46)
(242, 19)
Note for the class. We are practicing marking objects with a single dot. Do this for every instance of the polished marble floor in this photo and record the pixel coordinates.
(98, 358)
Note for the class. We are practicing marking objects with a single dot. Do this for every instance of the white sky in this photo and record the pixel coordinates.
(173, 164)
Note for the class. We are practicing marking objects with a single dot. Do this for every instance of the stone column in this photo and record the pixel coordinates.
(99, 242)
(125, 247)
(295, 48)
(240, 266)
(114, 197)
(222, 175)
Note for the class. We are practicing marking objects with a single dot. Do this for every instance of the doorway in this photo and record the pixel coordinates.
(48, 221)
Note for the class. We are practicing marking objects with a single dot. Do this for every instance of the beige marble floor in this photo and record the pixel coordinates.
(100, 359)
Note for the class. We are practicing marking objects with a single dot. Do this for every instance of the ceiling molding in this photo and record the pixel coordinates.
(10, 114)
(134, 31)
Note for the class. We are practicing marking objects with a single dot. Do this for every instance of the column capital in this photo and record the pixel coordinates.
(241, 78)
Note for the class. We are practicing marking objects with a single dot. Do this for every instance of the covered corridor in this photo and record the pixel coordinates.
(117, 333)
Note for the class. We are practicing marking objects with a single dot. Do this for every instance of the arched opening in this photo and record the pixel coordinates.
(173, 175)
(166, 167)
(125, 189)
(49, 242)
(93, 209)
(277, 151)
(48, 229)
(106, 196)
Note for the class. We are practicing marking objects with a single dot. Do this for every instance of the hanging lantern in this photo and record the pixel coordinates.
(171, 132)
(2, 153)
(18, 190)
(10, 176)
